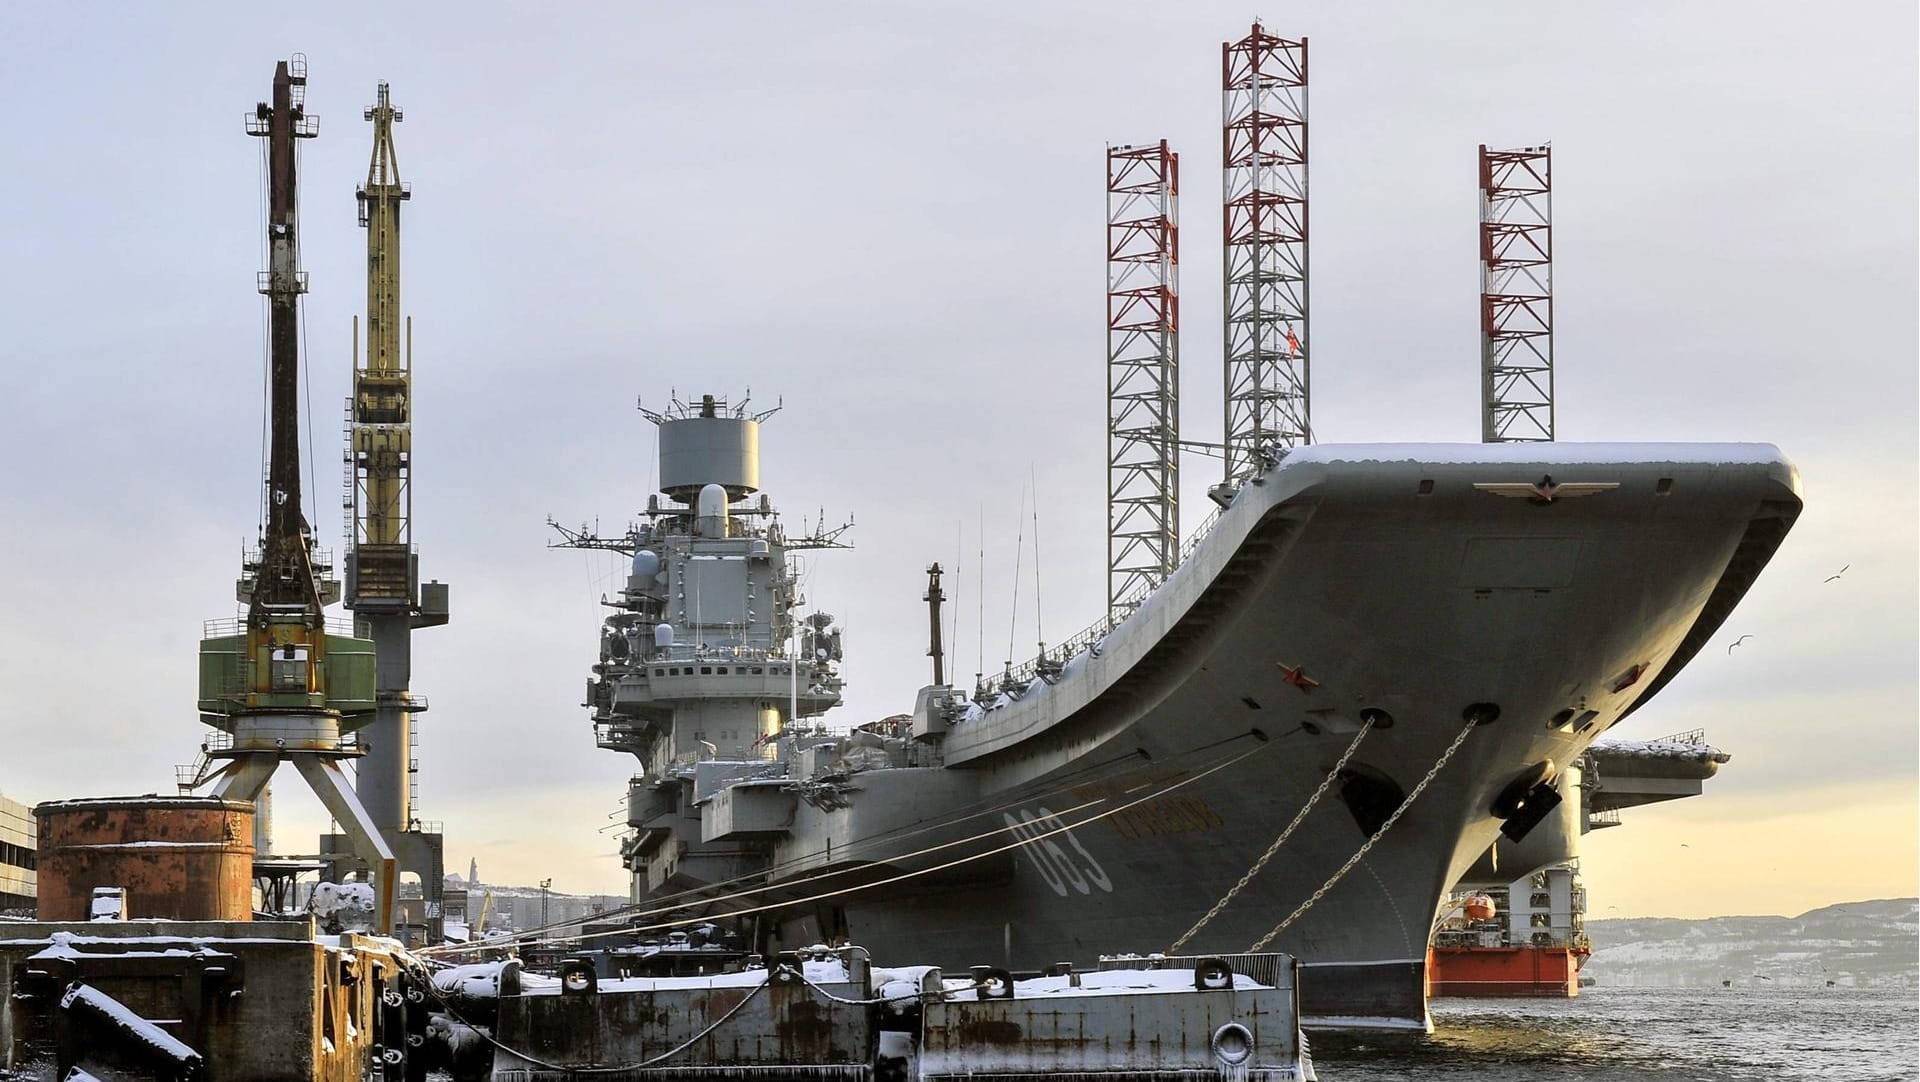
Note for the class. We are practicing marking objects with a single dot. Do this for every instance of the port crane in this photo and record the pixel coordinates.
(277, 684)
(383, 586)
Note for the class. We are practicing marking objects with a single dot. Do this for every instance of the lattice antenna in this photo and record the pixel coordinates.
(1263, 82)
(1143, 371)
(1516, 295)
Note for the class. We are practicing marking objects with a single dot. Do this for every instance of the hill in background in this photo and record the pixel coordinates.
(1853, 944)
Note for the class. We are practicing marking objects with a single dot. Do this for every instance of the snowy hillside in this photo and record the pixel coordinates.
(1854, 944)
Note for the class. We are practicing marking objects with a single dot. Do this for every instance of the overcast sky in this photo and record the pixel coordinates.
(890, 216)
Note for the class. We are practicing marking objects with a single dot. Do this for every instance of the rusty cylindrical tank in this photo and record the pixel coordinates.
(177, 858)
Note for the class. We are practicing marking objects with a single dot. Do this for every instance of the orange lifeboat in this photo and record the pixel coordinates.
(1479, 907)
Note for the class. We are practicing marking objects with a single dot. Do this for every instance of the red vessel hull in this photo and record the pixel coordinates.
(1549, 972)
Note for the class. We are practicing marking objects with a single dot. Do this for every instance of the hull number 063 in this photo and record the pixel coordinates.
(1065, 866)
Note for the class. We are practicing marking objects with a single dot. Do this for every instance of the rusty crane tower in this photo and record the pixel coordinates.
(383, 575)
(277, 685)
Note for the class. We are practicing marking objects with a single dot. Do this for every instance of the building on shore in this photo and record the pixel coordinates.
(17, 845)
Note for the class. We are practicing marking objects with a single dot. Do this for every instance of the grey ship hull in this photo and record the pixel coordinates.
(1382, 579)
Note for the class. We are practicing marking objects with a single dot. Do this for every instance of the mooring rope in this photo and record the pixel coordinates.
(1298, 818)
(1361, 853)
(1032, 839)
(683, 900)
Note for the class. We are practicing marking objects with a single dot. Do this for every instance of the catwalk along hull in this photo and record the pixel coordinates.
(1148, 773)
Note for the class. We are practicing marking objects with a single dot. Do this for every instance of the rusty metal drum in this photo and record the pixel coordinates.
(176, 858)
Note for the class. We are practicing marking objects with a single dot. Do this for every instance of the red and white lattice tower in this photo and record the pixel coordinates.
(1516, 295)
(1263, 81)
(1143, 371)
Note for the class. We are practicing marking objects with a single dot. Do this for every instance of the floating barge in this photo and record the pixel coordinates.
(831, 1015)
(270, 1001)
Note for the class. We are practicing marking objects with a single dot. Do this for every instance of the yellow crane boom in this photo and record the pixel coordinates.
(382, 383)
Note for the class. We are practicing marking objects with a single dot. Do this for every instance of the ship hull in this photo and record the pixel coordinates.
(1505, 972)
(1116, 801)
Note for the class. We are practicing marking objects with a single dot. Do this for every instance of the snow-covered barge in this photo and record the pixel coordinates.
(173, 1000)
(827, 1014)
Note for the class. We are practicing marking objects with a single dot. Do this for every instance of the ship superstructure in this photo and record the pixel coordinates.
(706, 660)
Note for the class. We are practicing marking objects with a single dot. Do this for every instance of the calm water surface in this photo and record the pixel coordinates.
(1711, 1035)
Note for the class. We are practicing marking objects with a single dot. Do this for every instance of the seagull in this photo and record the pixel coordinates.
(1684, 845)
(1838, 573)
(1737, 642)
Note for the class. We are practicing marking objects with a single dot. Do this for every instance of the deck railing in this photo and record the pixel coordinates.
(1052, 659)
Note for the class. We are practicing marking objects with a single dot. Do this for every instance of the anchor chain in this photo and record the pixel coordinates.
(1370, 842)
(1299, 817)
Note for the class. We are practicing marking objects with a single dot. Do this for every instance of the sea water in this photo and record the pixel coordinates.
(1705, 1034)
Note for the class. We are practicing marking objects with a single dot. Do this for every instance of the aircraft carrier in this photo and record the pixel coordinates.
(1394, 654)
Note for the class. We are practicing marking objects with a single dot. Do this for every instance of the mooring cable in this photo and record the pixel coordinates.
(684, 899)
(1298, 818)
(809, 899)
(823, 895)
(694, 895)
(1369, 843)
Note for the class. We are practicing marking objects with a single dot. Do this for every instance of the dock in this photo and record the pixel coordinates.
(271, 1001)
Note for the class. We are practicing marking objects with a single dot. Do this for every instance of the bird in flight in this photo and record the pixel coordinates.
(1737, 642)
(1838, 573)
